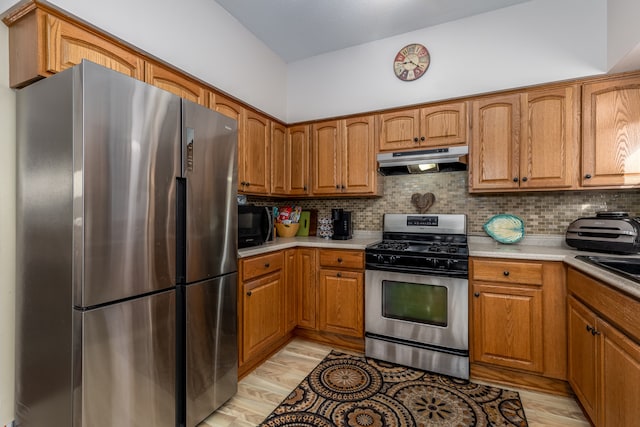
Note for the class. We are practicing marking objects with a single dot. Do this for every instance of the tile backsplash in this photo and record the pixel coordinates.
(542, 212)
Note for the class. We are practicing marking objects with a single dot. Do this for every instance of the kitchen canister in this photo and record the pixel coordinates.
(325, 228)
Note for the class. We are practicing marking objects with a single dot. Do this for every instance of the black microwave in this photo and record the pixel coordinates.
(255, 225)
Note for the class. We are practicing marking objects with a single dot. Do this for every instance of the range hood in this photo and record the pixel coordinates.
(423, 161)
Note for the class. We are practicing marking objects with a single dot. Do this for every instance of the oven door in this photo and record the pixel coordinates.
(418, 320)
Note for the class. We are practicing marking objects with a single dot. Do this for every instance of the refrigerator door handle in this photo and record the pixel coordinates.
(189, 157)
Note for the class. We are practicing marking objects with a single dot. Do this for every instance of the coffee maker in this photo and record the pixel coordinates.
(342, 226)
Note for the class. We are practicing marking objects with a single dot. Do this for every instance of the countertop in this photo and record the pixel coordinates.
(541, 248)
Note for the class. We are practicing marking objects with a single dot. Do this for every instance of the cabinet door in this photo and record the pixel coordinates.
(444, 125)
(359, 155)
(280, 160)
(611, 133)
(341, 302)
(262, 314)
(256, 153)
(399, 130)
(298, 164)
(326, 144)
(494, 143)
(582, 355)
(508, 326)
(229, 108)
(290, 290)
(549, 145)
(173, 82)
(619, 378)
(67, 45)
(307, 293)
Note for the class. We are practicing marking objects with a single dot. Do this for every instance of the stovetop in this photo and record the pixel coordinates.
(423, 244)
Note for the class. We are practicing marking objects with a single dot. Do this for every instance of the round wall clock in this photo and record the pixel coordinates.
(411, 62)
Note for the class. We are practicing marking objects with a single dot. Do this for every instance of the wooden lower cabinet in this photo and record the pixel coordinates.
(517, 322)
(306, 286)
(604, 351)
(263, 323)
(341, 302)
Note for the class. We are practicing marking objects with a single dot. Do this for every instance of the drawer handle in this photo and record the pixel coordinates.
(339, 259)
(339, 274)
(476, 294)
(266, 265)
(249, 293)
(506, 272)
(593, 330)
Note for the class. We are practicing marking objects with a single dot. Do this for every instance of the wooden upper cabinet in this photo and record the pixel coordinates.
(42, 44)
(171, 81)
(326, 143)
(279, 154)
(359, 155)
(495, 143)
(549, 142)
(611, 133)
(435, 126)
(344, 156)
(298, 163)
(399, 130)
(254, 161)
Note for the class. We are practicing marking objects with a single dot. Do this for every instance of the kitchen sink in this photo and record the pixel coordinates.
(626, 267)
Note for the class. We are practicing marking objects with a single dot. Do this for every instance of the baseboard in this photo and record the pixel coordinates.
(341, 341)
(518, 379)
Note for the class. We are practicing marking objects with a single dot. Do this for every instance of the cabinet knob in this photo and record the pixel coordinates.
(249, 293)
(515, 179)
(524, 179)
(304, 188)
(339, 274)
(415, 139)
(422, 138)
(343, 187)
(506, 272)
(339, 259)
(587, 176)
(266, 265)
(337, 187)
(476, 294)
(589, 328)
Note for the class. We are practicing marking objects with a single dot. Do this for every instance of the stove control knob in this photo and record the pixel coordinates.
(380, 258)
(393, 259)
(434, 262)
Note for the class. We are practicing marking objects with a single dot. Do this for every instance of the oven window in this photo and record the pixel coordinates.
(414, 302)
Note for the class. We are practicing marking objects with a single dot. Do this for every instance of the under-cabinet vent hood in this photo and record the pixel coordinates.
(423, 161)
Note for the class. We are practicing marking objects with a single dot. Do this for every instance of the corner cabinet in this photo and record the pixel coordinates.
(611, 133)
(517, 321)
(440, 125)
(604, 350)
(290, 160)
(527, 141)
(344, 157)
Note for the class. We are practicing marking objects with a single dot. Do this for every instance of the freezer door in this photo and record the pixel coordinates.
(126, 362)
(127, 152)
(212, 346)
(210, 167)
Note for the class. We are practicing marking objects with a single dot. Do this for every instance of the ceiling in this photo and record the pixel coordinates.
(299, 29)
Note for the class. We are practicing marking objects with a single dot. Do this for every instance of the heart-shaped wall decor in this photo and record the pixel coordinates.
(423, 201)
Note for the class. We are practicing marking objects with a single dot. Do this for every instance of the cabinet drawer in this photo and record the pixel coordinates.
(341, 258)
(507, 271)
(261, 264)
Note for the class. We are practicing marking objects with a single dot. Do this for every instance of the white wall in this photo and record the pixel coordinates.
(623, 35)
(529, 43)
(197, 36)
(7, 231)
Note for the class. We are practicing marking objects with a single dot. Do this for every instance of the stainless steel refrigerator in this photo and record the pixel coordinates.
(126, 248)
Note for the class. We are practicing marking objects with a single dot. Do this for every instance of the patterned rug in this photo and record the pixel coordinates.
(350, 391)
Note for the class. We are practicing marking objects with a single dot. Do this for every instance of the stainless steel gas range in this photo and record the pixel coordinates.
(416, 294)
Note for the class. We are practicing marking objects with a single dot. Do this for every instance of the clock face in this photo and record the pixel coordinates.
(411, 62)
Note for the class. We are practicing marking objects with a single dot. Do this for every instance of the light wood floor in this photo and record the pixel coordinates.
(263, 389)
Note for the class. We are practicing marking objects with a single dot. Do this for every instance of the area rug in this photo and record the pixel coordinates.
(351, 391)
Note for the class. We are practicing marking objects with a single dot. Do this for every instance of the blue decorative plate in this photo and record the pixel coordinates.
(505, 228)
